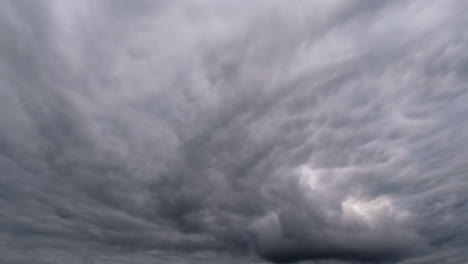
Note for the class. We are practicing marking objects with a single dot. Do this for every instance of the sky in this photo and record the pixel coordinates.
(207, 131)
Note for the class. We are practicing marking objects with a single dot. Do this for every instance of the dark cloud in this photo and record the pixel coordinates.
(232, 132)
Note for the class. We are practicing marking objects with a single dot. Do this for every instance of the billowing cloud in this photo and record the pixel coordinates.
(233, 131)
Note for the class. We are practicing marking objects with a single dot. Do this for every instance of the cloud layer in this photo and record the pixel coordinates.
(233, 131)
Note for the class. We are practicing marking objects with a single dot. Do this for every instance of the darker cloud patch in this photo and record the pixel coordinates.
(300, 253)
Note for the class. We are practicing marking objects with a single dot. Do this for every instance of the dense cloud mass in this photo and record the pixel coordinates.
(206, 131)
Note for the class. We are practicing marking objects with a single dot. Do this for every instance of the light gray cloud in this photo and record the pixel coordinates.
(232, 132)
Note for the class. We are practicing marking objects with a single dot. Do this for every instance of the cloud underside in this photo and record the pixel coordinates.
(233, 131)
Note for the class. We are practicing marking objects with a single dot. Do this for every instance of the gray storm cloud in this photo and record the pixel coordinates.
(233, 131)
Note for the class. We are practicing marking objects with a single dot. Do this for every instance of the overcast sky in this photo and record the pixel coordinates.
(229, 131)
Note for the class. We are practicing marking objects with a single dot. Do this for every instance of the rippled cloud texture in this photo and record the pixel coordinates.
(211, 131)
